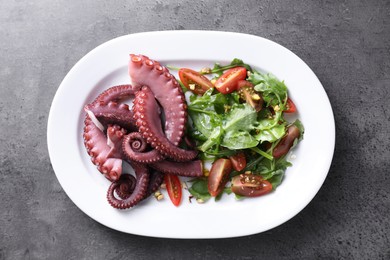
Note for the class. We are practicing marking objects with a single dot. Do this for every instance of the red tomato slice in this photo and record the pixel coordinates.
(291, 108)
(247, 93)
(287, 142)
(219, 176)
(194, 81)
(228, 82)
(238, 161)
(244, 83)
(174, 188)
(250, 185)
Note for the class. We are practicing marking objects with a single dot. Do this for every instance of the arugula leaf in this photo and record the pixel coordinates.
(236, 140)
(200, 190)
(213, 138)
(218, 69)
(268, 123)
(241, 117)
(299, 124)
(271, 135)
(274, 171)
(274, 92)
(277, 178)
(230, 129)
(203, 112)
(239, 62)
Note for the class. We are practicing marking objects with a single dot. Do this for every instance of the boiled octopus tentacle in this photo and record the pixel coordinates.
(116, 94)
(150, 140)
(165, 88)
(187, 169)
(95, 142)
(147, 119)
(155, 182)
(126, 186)
(134, 148)
(115, 135)
(112, 113)
(139, 192)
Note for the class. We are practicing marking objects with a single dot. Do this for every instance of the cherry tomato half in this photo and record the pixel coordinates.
(174, 188)
(238, 161)
(247, 92)
(287, 142)
(194, 81)
(219, 176)
(291, 108)
(228, 82)
(250, 185)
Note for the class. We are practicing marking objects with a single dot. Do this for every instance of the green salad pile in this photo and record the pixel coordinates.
(236, 119)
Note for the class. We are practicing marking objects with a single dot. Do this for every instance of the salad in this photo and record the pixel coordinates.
(237, 122)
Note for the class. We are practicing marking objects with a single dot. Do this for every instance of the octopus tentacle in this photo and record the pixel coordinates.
(115, 93)
(155, 182)
(126, 186)
(112, 113)
(95, 142)
(187, 169)
(139, 192)
(115, 136)
(146, 117)
(134, 148)
(128, 183)
(166, 89)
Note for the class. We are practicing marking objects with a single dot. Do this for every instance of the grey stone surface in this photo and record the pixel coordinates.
(346, 43)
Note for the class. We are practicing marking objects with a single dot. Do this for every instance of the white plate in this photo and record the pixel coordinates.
(106, 66)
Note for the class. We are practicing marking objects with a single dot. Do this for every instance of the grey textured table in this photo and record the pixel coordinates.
(346, 43)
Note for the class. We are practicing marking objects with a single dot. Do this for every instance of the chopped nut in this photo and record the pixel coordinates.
(205, 70)
(206, 172)
(213, 81)
(248, 73)
(184, 185)
(276, 108)
(248, 172)
(200, 201)
(192, 86)
(158, 195)
(255, 96)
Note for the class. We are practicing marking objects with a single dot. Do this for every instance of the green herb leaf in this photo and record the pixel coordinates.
(241, 117)
(299, 124)
(199, 189)
(271, 135)
(237, 139)
(218, 69)
(274, 92)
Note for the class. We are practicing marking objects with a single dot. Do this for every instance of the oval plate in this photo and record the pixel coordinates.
(106, 66)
